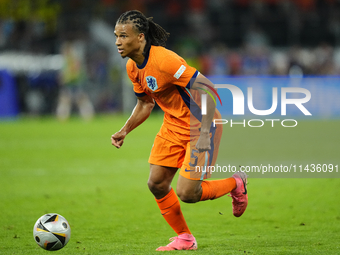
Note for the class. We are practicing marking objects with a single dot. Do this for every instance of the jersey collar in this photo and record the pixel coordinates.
(145, 59)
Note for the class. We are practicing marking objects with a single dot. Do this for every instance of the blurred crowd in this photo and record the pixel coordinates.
(218, 37)
(223, 37)
(250, 59)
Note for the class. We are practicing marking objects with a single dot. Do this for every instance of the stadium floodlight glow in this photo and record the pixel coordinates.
(238, 100)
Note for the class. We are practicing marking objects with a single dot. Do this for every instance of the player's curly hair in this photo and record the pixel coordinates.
(154, 33)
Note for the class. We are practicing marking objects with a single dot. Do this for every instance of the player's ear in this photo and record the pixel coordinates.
(141, 37)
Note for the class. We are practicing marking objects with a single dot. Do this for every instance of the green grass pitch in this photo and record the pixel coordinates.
(72, 169)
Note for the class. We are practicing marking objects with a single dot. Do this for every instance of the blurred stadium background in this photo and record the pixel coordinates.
(219, 37)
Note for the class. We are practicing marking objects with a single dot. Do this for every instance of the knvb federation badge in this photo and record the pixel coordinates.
(152, 83)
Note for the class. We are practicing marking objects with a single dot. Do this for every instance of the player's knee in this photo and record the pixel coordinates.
(187, 196)
(157, 189)
(152, 186)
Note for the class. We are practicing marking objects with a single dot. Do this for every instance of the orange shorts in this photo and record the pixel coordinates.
(172, 149)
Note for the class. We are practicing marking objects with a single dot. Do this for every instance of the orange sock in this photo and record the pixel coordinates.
(217, 188)
(171, 211)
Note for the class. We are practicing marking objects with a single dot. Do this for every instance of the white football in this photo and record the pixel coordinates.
(52, 232)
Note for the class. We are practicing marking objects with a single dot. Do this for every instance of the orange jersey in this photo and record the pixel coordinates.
(165, 76)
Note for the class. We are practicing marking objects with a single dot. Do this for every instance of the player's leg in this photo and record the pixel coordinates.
(192, 191)
(166, 157)
(160, 185)
(85, 106)
(192, 188)
(160, 179)
(236, 185)
(64, 105)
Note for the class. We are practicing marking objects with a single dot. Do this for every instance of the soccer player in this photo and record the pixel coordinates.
(187, 138)
(72, 83)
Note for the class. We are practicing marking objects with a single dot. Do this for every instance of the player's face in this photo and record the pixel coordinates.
(128, 41)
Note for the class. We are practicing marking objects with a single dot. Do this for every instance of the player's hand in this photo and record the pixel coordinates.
(203, 143)
(117, 139)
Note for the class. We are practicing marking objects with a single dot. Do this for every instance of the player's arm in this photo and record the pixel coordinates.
(203, 143)
(139, 114)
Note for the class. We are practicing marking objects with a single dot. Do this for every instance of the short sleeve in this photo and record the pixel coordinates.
(137, 88)
(177, 71)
